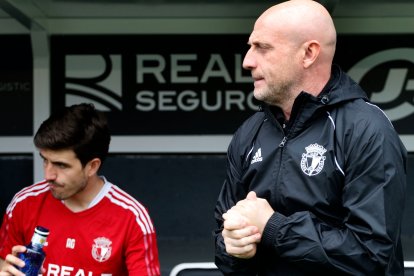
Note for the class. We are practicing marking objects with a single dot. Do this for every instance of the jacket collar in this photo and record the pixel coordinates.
(339, 89)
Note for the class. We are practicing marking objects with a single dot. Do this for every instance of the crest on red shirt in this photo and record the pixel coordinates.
(101, 249)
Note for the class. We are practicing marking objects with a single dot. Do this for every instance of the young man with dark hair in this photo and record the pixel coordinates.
(95, 227)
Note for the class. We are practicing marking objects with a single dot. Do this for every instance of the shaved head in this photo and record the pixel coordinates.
(300, 21)
(292, 46)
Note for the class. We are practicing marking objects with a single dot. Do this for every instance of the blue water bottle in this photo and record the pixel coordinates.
(34, 255)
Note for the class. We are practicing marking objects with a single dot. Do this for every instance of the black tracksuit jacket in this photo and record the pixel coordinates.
(336, 178)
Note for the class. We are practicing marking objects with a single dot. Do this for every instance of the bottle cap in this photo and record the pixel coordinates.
(42, 231)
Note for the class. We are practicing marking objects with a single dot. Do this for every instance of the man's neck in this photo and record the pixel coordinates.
(81, 201)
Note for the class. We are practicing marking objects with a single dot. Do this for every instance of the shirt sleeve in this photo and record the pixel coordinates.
(141, 251)
(9, 235)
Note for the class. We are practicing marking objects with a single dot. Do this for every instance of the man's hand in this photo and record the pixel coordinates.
(244, 224)
(8, 265)
(240, 238)
(256, 211)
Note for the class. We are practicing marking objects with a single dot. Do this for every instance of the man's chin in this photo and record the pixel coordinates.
(259, 95)
(56, 195)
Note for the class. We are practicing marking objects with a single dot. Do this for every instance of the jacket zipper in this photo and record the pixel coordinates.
(277, 186)
(283, 142)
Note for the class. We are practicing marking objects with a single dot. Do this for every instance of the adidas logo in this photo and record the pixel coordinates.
(257, 156)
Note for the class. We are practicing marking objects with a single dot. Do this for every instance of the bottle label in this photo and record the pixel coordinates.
(38, 239)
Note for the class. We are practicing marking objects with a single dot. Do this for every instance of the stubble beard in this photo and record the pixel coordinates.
(64, 195)
(275, 95)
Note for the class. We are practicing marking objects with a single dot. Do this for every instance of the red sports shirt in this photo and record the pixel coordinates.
(114, 237)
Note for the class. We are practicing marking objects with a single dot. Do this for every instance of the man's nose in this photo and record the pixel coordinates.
(50, 172)
(248, 61)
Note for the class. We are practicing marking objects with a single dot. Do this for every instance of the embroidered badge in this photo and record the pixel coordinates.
(101, 249)
(313, 160)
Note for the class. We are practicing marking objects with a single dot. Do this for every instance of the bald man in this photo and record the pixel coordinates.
(316, 179)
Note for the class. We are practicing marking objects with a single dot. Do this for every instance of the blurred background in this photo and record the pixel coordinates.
(168, 74)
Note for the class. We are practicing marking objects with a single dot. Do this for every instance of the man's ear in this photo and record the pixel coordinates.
(312, 49)
(93, 166)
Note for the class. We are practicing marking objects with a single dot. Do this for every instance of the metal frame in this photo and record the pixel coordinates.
(185, 266)
(211, 266)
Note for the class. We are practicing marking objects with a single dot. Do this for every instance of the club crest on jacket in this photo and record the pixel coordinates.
(313, 160)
